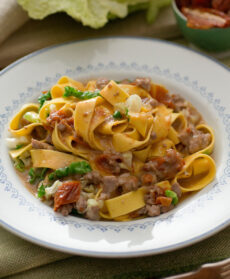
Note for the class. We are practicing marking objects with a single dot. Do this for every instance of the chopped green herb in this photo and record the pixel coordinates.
(74, 212)
(127, 114)
(70, 91)
(18, 146)
(207, 152)
(74, 168)
(41, 191)
(37, 174)
(19, 165)
(32, 175)
(44, 98)
(117, 115)
(173, 195)
(43, 173)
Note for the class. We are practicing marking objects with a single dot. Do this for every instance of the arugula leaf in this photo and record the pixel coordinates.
(37, 174)
(44, 98)
(70, 91)
(43, 173)
(117, 115)
(19, 165)
(74, 212)
(32, 175)
(127, 114)
(18, 146)
(81, 167)
(41, 191)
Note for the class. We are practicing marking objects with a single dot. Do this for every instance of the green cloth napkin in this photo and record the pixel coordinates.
(20, 259)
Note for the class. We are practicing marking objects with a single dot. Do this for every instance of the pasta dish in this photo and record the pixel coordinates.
(111, 150)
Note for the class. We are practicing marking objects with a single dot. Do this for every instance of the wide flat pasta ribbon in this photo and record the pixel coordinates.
(44, 158)
(199, 170)
(162, 123)
(205, 128)
(133, 89)
(111, 126)
(122, 142)
(124, 204)
(83, 115)
(15, 153)
(113, 93)
(178, 123)
(159, 148)
(14, 126)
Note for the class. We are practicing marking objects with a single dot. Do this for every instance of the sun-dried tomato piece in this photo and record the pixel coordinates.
(68, 192)
(221, 5)
(201, 3)
(165, 201)
(203, 18)
(183, 3)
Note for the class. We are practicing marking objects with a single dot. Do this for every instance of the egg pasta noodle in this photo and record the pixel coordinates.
(111, 150)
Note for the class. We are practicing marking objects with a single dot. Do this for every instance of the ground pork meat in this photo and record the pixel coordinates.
(165, 167)
(178, 102)
(152, 102)
(125, 81)
(165, 209)
(144, 83)
(58, 116)
(192, 115)
(65, 125)
(92, 213)
(66, 209)
(128, 182)
(110, 184)
(81, 204)
(194, 140)
(138, 212)
(92, 177)
(221, 5)
(148, 179)
(49, 138)
(109, 162)
(153, 210)
(39, 133)
(41, 145)
(176, 188)
(153, 136)
(101, 83)
(152, 193)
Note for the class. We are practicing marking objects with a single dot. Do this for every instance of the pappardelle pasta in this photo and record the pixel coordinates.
(110, 150)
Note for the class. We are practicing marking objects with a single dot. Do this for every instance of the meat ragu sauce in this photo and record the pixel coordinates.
(110, 150)
(206, 14)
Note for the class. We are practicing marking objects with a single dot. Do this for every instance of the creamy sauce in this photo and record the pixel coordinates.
(24, 178)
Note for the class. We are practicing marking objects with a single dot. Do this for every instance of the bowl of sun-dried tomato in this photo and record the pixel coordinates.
(205, 23)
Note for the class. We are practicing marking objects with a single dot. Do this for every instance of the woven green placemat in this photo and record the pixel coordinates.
(21, 259)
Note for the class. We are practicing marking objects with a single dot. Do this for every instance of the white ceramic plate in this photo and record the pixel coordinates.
(202, 81)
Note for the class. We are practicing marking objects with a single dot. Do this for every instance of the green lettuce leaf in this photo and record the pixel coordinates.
(93, 13)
